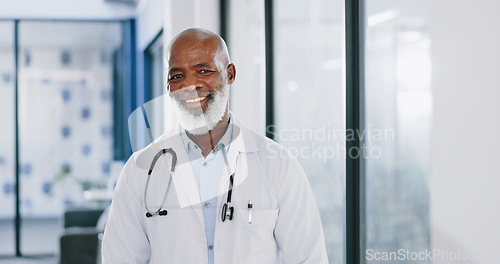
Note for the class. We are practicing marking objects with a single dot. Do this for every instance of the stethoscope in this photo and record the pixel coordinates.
(227, 209)
(149, 213)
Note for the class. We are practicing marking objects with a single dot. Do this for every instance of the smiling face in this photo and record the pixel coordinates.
(199, 75)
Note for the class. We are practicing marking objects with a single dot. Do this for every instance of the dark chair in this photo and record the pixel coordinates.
(80, 243)
(82, 217)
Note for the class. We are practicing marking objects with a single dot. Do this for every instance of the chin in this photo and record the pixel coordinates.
(198, 121)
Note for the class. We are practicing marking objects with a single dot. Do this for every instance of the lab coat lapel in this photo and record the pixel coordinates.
(236, 161)
(184, 182)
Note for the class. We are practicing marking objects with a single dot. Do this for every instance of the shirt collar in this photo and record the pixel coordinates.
(189, 145)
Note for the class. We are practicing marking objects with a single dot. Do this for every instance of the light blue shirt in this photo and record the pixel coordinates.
(207, 172)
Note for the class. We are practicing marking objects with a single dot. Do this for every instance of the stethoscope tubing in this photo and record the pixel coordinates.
(227, 209)
(149, 213)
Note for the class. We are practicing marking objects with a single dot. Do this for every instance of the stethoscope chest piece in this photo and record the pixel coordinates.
(227, 212)
(227, 209)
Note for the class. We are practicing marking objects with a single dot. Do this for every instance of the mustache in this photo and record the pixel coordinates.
(182, 95)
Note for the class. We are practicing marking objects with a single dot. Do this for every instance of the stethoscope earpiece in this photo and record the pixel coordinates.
(164, 212)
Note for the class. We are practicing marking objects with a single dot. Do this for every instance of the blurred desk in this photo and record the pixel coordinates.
(98, 195)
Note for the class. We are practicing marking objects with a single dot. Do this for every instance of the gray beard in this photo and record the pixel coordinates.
(197, 122)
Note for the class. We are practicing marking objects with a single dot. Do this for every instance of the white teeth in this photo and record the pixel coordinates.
(195, 99)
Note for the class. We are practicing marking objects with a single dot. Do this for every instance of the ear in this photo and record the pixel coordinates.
(231, 73)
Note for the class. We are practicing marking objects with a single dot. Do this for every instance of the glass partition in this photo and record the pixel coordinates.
(398, 112)
(309, 103)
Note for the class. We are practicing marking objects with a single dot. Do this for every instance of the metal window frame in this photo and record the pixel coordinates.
(17, 221)
(224, 7)
(354, 50)
(269, 54)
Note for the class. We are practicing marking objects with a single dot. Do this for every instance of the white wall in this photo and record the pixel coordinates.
(65, 9)
(150, 17)
(464, 184)
(180, 15)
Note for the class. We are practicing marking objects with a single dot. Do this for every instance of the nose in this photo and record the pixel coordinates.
(191, 83)
(189, 88)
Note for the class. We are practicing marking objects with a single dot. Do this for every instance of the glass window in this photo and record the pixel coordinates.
(397, 120)
(66, 121)
(309, 103)
(154, 54)
(7, 138)
(154, 100)
(246, 46)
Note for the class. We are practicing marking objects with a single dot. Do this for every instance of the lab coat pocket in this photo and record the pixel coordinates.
(175, 236)
(176, 224)
(256, 238)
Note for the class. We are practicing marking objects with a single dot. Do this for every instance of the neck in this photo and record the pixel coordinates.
(208, 141)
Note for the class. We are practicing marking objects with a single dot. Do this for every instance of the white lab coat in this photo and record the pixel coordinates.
(285, 228)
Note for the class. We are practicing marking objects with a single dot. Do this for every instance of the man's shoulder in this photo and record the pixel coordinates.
(266, 146)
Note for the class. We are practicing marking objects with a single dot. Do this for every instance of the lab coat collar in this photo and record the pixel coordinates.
(242, 140)
(224, 142)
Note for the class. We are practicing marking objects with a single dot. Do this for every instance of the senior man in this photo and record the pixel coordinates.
(219, 192)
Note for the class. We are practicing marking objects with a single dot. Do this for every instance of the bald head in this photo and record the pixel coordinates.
(198, 38)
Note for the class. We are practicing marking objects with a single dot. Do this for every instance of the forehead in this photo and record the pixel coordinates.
(192, 51)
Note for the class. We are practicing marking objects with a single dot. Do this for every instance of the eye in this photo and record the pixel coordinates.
(204, 71)
(175, 77)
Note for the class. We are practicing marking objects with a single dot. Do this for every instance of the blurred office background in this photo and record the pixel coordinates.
(79, 77)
